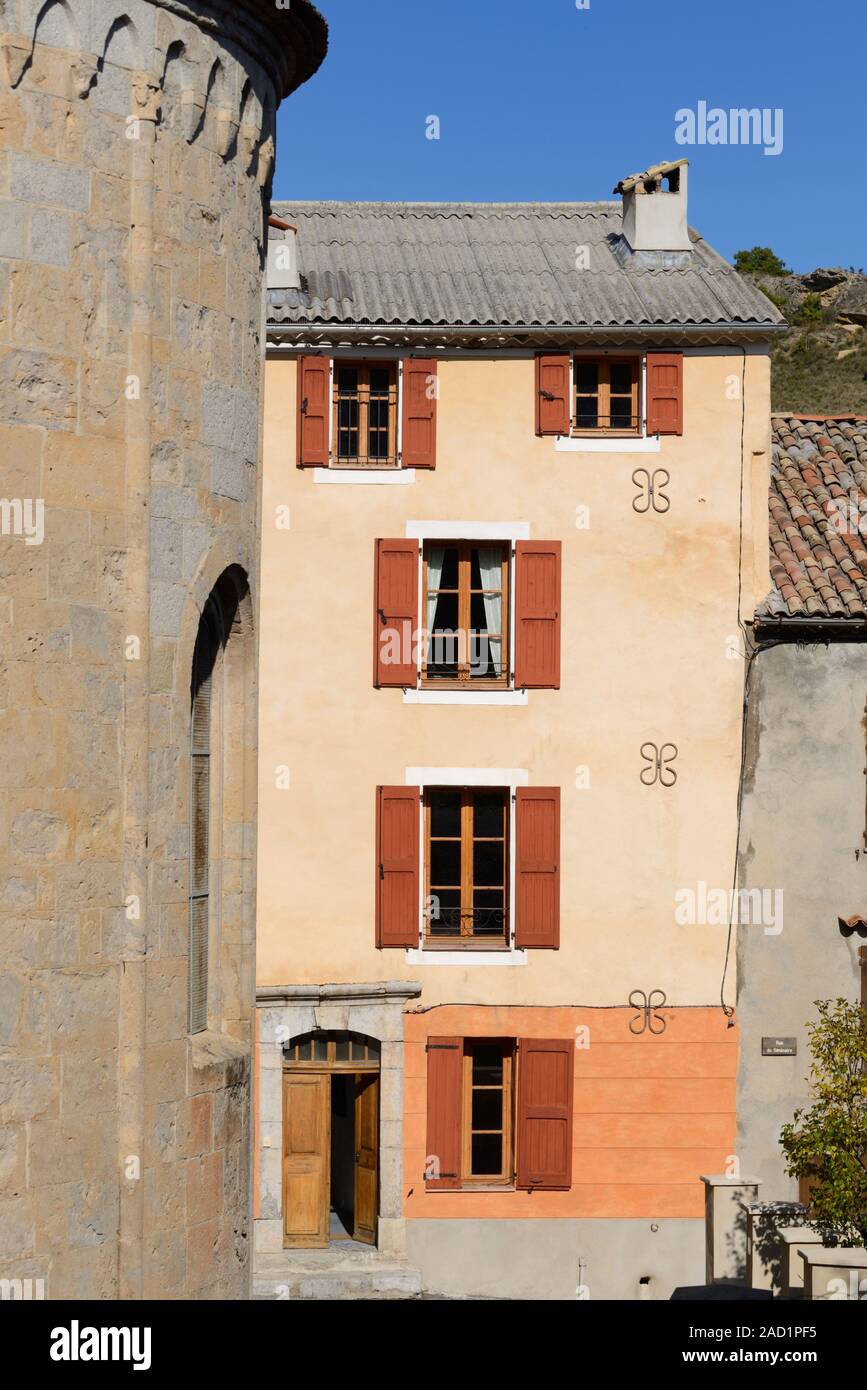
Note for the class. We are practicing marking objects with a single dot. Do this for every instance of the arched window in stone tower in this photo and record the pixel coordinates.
(222, 769)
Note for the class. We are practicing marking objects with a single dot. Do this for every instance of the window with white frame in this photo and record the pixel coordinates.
(466, 865)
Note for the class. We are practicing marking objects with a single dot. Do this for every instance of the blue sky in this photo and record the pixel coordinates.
(540, 100)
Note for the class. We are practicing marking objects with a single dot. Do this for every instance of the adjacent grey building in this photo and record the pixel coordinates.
(803, 827)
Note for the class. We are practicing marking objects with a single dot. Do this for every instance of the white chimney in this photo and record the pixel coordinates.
(654, 217)
(282, 271)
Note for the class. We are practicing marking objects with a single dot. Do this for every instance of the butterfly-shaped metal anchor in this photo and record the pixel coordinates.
(647, 1018)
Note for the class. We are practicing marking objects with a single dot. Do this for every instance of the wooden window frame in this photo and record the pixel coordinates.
(465, 681)
(364, 366)
(293, 1059)
(604, 362)
(506, 1177)
(467, 940)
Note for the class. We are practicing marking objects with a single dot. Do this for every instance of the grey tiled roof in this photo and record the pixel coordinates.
(818, 520)
(468, 264)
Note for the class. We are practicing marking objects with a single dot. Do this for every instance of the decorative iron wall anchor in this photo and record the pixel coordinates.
(658, 760)
(650, 493)
(647, 1018)
(849, 925)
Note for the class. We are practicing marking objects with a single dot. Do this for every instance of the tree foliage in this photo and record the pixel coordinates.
(761, 260)
(828, 1142)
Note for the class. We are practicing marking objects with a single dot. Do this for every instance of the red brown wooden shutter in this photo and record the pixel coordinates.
(444, 1080)
(665, 393)
(552, 394)
(545, 1113)
(314, 406)
(418, 448)
(397, 866)
(395, 614)
(537, 867)
(537, 615)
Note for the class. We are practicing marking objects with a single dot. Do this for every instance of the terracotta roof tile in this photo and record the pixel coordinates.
(818, 518)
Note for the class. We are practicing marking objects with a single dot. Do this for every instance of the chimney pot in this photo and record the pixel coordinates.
(283, 273)
(654, 217)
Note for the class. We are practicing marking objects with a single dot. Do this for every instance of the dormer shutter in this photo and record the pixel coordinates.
(419, 425)
(665, 393)
(552, 394)
(314, 403)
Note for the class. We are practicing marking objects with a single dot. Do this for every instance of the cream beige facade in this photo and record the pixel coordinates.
(650, 653)
(551, 1096)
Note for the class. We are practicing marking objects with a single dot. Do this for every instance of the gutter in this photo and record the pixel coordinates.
(785, 629)
(430, 330)
(501, 338)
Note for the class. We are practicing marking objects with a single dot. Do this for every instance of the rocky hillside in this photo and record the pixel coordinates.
(820, 366)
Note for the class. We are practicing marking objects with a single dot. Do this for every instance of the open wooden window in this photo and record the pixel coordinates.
(466, 831)
(607, 396)
(488, 1112)
(364, 428)
(466, 588)
(499, 1112)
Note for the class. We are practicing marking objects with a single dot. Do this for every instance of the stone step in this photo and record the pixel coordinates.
(345, 1279)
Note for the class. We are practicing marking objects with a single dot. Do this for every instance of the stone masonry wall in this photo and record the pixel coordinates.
(136, 142)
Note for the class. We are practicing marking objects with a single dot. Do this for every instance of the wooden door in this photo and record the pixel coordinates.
(306, 1158)
(366, 1157)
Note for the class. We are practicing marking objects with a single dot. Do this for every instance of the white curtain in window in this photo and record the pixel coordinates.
(491, 567)
(436, 555)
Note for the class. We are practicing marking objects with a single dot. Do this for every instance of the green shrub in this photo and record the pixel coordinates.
(828, 1142)
(810, 310)
(778, 299)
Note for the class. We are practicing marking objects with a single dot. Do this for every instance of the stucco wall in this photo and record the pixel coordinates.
(802, 832)
(650, 605)
(651, 1112)
(564, 1260)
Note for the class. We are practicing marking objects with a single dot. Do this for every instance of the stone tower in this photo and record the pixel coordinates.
(136, 152)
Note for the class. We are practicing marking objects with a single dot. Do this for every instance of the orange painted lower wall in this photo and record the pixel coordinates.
(651, 1112)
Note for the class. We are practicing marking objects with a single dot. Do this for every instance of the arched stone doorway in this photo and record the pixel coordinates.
(330, 1161)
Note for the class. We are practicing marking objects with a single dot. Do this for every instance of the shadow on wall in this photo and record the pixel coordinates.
(736, 1239)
